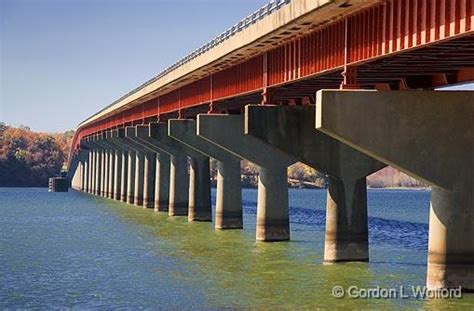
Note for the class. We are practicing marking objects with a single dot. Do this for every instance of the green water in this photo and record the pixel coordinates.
(73, 250)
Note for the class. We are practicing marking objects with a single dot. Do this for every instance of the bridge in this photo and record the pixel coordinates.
(344, 86)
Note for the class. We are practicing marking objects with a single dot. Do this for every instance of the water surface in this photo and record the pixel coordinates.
(74, 250)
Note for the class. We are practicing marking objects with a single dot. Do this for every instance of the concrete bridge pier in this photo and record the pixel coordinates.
(178, 197)
(108, 164)
(139, 153)
(105, 172)
(429, 135)
(149, 180)
(111, 177)
(124, 168)
(90, 170)
(98, 168)
(291, 130)
(199, 189)
(139, 178)
(162, 182)
(149, 167)
(86, 172)
(167, 181)
(119, 135)
(272, 206)
(193, 197)
(132, 156)
(88, 143)
(228, 214)
(117, 168)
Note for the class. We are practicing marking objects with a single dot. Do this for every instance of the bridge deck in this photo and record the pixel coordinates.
(302, 46)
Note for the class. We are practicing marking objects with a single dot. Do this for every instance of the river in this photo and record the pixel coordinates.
(75, 250)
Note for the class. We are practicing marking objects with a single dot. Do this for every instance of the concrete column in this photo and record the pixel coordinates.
(179, 185)
(98, 180)
(451, 236)
(228, 214)
(117, 175)
(291, 130)
(83, 175)
(107, 173)
(149, 180)
(162, 182)
(93, 168)
(89, 170)
(346, 237)
(81, 181)
(111, 173)
(139, 176)
(86, 173)
(429, 135)
(124, 170)
(228, 196)
(131, 177)
(272, 220)
(104, 174)
(199, 190)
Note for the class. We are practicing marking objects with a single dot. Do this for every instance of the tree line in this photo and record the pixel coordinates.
(28, 159)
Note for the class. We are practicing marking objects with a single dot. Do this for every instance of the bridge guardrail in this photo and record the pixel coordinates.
(251, 19)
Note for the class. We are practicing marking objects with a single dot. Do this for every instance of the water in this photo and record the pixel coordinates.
(74, 250)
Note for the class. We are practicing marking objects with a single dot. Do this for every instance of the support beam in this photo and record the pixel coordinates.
(291, 130)
(227, 131)
(428, 135)
(228, 213)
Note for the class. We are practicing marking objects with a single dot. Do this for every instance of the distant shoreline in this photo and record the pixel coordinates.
(401, 188)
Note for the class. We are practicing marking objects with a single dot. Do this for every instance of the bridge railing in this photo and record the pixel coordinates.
(265, 10)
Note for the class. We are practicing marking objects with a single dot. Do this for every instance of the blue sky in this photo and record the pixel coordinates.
(63, 60)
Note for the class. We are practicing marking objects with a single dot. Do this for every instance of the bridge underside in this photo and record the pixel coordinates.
(275, 108)
(429, 67)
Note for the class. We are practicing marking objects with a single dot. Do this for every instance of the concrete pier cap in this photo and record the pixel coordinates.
(227, 131)
(228, 214)
(430, 136)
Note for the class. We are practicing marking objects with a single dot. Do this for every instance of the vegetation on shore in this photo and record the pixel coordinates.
(27, 159)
